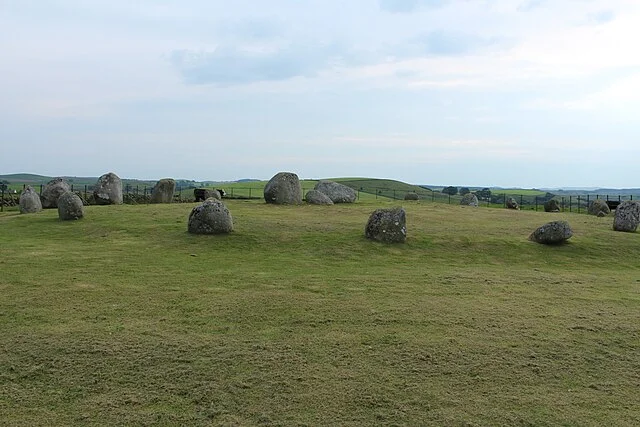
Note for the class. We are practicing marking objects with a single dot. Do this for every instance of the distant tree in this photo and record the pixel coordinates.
(450, 190)
(464, 190)
(484, 194)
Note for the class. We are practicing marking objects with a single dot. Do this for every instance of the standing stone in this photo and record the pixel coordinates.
(598, 208)
(552, 233)
(108, 190)
(283, 189)
(211, 217)
(551, 205)
(315, 197)
(469, 199)
(627, 216)
(70, 206)
(30, 201)
(387, 225)
(52, 192)
(512, 204)
(411, 196)
(163, 191)
(338, 193)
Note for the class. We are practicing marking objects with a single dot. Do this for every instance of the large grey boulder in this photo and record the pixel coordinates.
(469, 199)
(627, 216)
(283, 189)
(52, 192)
(551, 205)
(411, 196)
(512, 204)
(315, 197)
(338, 193)
(30, 201)
(552, 233)
(598, 208)
(387, 225)
(108, 190)
(211, 217)
(163, 191)
(70, 206)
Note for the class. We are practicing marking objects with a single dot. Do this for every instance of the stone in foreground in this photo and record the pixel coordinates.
(70, 206)
(469, 199)
(627, 216)
(52, 192)
(30, 201)
(163, 191)
(211, 217)
(551, 205)
(315, 197)
(598, 208)
(283, 189)
(411, 196)
(552, 233)
(108, 190)
(338, 193)
(387, 225)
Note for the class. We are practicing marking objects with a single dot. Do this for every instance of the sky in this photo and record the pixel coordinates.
(511, 93)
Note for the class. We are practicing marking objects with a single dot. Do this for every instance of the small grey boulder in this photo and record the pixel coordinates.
(551, 205)
(469, 199)
(283, 189)
(598, 208)
(627, 216)
(512, 204)
(387, 225)
(338, 193)
(211, 217)
(315, 197)
(30, 201)
(70, 206)
(163, 191)
(552, 233)
(108, 190)
(52, 192)
(411, 196)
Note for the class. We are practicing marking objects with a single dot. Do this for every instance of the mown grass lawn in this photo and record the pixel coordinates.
(123, 318)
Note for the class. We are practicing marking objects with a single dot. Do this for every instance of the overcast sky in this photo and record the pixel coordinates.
(526, 93)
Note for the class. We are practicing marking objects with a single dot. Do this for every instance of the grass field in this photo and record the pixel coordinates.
(123, 318)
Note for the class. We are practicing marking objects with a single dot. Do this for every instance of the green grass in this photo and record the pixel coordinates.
(123, 318)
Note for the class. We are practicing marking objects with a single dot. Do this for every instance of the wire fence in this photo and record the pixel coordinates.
(141, 194)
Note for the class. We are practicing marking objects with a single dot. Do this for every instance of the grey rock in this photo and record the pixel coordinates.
(512, 204)
(627, 216)
(387, 225)
(30, 201)
(163, 191)
(70, 206)
(552, 233)
(108, 190)
(315, 197)
(601, 215)
(411, 196)
(52, 192)
(338, 193)
(283, 189)
(598, 206)
(551, 205)
(211, 217)
(469, 199)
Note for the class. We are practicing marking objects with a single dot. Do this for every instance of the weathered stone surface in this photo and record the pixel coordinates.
(52, 192)
(512, 204)
(108, 190)
(551, 205)
(70, 206)
(469, 199)
(596, 207)
(202, 194)
(627, 216)
(315, 197)
(163, 191)
(283, 189)
(338, 193)
(211, 217)
(387, 225)
(30, 201)
(552, 233)
(411, 196)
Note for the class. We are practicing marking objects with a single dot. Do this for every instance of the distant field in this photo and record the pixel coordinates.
(123, 318)
(518, 191)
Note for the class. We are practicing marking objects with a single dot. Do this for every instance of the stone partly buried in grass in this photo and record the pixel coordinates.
(552, 233)
(387, 225)
(70, 206)
(315, 197)
(211, 217)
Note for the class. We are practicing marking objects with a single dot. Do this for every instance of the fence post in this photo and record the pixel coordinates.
(433, 196)
(521, 201)
(449, 198)
(2, 201)
(85, 192)
(578, 204)
(570, 201)
(250, 192)
(536, 203)
(563, 207)
(41, 189)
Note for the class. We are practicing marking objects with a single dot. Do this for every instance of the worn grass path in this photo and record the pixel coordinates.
(123, 318)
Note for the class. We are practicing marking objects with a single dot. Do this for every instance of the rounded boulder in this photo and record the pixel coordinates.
(163, 191)
(52, 192)
(512, 204)
(387, 225)
(338, 193)
(411, 196)
(211, 217)
(469, 199)
(552, 233)
(108, 190)
(70, 206)
(30, 201)
(315, 197)
(598, 208)
(551, 205)
(283, 189)
(627, 216)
